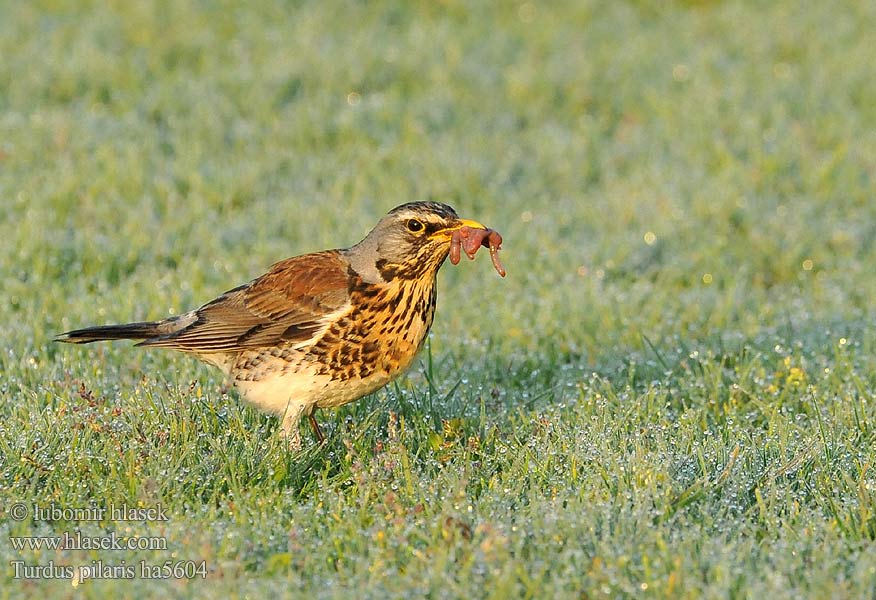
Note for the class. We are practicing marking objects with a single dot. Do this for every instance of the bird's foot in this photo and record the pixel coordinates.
(292, 439)
(320, 436)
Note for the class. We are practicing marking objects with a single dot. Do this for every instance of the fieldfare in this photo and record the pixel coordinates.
(323, 329)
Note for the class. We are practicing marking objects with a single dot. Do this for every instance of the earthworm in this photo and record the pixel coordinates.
(470, 239)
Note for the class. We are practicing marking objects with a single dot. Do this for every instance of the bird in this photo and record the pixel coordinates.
(317, 330)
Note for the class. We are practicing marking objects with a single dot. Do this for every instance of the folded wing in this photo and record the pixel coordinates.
(286, 305)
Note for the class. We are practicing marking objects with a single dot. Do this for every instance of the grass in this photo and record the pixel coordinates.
(671, 395)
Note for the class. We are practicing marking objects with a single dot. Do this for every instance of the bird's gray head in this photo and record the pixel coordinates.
(410, 242)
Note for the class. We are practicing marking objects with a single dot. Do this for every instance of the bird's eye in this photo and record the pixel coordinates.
(415, 226)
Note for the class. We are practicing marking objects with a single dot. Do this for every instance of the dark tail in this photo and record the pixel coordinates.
(129, 331)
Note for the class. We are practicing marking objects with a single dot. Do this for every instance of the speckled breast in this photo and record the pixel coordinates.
(377, 339)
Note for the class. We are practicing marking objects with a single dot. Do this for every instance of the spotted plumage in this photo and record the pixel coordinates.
(318, 330)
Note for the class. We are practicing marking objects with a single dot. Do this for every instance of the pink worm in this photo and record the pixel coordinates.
(470, 240)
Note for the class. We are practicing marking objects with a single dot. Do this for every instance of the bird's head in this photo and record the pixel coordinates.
(410, 242)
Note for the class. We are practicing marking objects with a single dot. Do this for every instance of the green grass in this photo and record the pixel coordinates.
(672, 394)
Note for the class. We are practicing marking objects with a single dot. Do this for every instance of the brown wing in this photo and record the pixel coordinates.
(285, 305)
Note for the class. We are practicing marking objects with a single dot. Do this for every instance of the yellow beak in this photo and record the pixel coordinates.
(468, 223)
(459, 224)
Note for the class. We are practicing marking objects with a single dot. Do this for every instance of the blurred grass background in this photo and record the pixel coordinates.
(671, 393)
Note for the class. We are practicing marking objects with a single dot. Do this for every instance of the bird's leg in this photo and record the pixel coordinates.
(320, 436)
(289, 428)
(292, 437)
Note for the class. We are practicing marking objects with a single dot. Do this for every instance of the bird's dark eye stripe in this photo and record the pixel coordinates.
(432, 227)
(418, 226)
